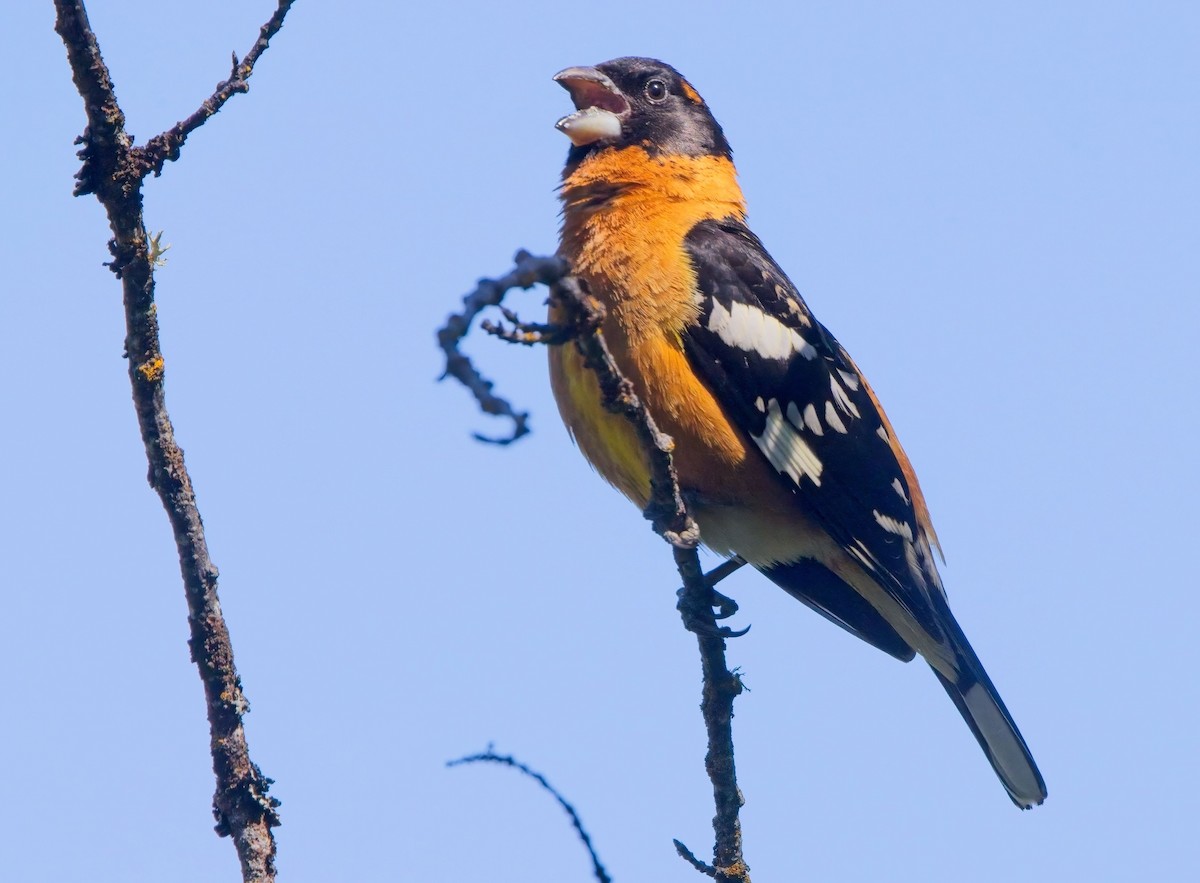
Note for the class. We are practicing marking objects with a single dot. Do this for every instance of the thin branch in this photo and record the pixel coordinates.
(490, 756)
(668, 513)
(114, 170)
(166, 146)
(529, 271)
(526, 333)
(688, 856)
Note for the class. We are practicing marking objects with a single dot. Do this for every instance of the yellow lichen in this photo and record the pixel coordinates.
(152, 369)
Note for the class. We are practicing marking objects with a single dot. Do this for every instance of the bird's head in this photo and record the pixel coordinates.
(637, 102)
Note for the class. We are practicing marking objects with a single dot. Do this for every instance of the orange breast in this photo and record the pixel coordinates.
(625, 218)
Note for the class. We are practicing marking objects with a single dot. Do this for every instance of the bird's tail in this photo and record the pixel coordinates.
(983, 710)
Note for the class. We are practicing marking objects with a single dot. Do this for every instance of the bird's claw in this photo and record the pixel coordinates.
(725, 606)
(702, 619)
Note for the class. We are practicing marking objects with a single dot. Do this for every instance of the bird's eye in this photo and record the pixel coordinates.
(656, 89)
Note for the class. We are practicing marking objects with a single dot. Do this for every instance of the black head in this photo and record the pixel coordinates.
(641, 102)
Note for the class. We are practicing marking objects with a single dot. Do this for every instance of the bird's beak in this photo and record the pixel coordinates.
(599, 106)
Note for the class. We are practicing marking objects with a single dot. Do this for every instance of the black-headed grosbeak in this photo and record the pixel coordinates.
(782, 448)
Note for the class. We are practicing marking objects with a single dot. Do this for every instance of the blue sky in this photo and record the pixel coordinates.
(993, 207)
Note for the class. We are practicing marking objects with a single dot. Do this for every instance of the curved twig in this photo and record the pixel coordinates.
(490, 756)
(529, 271)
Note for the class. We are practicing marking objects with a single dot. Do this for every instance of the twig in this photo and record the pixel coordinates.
(688, 856)
(668, 514)
(166, 146)
(526, 333)
(115, 170)
(529, 271)
(490, 756)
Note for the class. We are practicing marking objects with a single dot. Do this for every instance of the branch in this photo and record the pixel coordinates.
(668, 513)
(529, 271)
(687, 855)
(114, 170)
(164, 147)
(490, 756)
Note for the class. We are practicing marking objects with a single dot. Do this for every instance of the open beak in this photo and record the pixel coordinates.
(599, 106)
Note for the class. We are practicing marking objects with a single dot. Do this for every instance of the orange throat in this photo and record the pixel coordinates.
(626, 216)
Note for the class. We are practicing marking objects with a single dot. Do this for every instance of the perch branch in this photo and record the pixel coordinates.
(668, 513)
(114, 170)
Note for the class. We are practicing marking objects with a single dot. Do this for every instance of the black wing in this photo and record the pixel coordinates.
(792, 388)
(787, 382)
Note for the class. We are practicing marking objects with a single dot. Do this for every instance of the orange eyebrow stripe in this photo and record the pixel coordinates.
(690, 93)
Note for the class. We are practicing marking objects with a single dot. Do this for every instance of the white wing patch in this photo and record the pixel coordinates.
(840, 397)
(930, 568)
(806, 420)
(811, 420)
(750, 329)
(860, 551)
(793, 416)
(832, 418)
(892, 525)
(898, 487)
(784, 447)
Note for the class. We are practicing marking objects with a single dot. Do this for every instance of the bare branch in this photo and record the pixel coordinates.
(529, 271)
(114, 170)
(526, 333)
(668, 513)
(688, 856)
(490, 756)
(166, 146)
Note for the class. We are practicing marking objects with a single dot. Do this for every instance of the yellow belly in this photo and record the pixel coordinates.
(607, 440)
(711, 455)
(626, 216)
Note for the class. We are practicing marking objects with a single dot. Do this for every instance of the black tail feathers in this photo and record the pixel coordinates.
(983, 710)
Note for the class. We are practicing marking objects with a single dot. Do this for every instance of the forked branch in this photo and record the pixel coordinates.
(114, 169)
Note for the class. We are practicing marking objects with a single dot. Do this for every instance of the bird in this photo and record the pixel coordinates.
(783, 451)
